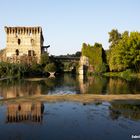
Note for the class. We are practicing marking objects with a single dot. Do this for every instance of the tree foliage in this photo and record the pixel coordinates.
(96, 55)
(50, 67)
(114, 37)
(126, 52)
(12, 70)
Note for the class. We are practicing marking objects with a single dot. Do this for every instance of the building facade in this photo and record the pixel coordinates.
(23, 44)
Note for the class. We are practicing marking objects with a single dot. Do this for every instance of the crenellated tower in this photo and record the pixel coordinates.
(24, 44)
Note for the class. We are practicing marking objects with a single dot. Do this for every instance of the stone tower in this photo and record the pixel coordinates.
(24, 44)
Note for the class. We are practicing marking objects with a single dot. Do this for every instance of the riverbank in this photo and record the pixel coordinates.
(84, 98)
(125, 75)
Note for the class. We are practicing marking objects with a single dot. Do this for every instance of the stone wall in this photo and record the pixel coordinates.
(23, 41)
(83, 65)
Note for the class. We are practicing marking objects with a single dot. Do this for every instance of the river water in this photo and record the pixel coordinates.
(68, 84)
(69, 120)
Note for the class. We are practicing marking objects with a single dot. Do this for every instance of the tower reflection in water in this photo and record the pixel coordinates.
(25, 112)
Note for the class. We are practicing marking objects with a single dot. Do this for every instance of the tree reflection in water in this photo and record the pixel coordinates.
(104, 85)
(125, 110)
(118, 86)
(92, 85)
(68, 84)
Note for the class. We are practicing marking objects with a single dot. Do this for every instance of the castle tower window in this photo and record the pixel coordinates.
(31, 53)
(17, 52)
(19, 41)
(32, 42)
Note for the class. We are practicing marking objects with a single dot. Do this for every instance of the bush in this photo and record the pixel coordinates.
(50, 67)
(12, 70)
(101, 68)
(35, 70)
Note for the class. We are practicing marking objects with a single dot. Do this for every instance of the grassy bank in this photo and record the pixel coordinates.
(84, 98)
(128, 75)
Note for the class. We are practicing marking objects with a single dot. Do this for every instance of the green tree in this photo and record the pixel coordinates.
(78, 54)
(114, 37)
(126, 53)
(50, 67)
(96, 55)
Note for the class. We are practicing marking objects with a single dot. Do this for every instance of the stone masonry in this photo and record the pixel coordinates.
(23, 44)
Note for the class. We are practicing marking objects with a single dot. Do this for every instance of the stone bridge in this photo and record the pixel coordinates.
(67, 59)
(83, 62)
(69, 62)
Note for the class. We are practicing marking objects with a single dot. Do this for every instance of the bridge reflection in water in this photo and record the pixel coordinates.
(25, 112)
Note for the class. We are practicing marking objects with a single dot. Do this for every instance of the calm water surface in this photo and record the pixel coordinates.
(68, 84)
(69, 120)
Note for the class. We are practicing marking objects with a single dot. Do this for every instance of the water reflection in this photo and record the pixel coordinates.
(93, 85)
(64, 84)
(122, 86)
(125, 110)
(25, 112)
(68, 120)
(13, 89)
(68, 84)
(83, 84)
(104, 85)
(118, 86)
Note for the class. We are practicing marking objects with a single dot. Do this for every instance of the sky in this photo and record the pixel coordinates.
(67, 24)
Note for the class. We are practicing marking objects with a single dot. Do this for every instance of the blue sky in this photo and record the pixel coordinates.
(68, 23)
